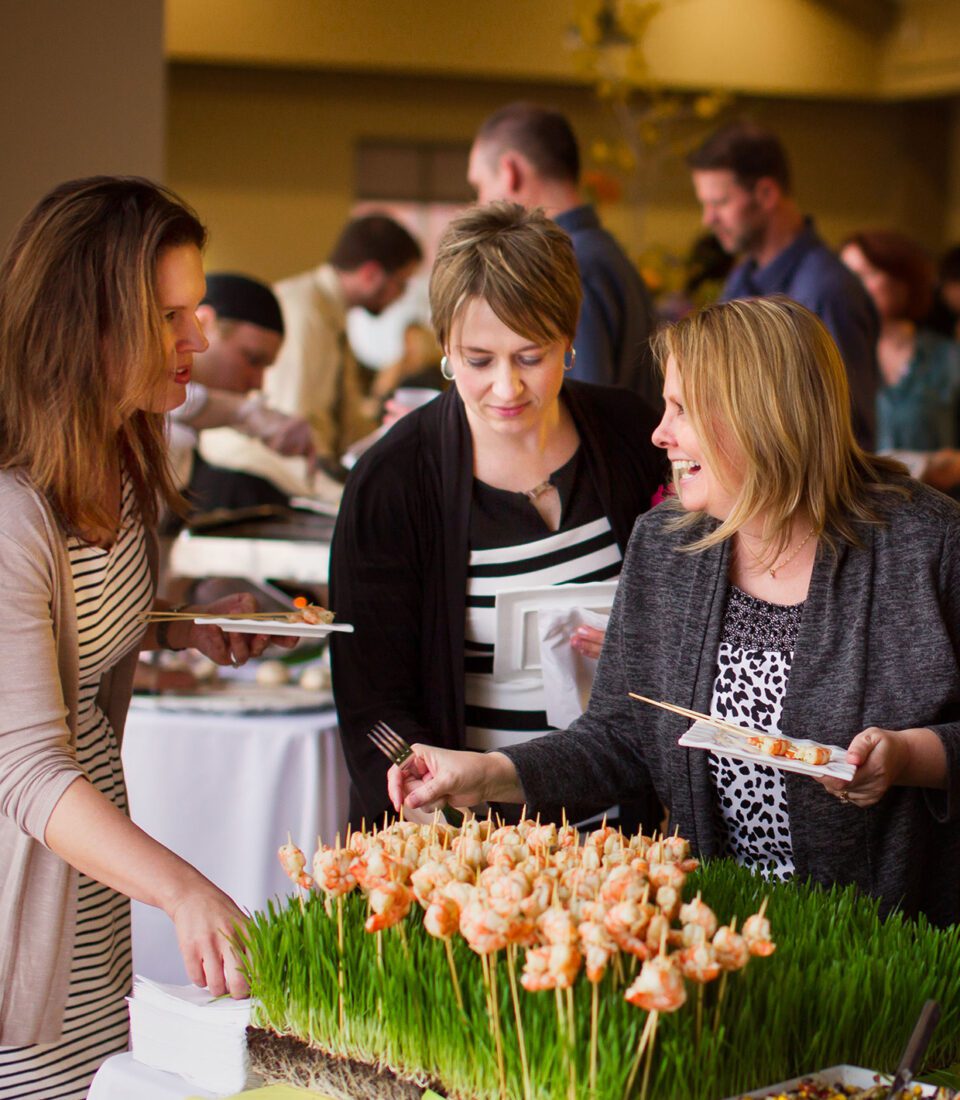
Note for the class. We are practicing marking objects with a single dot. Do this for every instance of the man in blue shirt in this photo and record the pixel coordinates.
(528, 154)
(742, 179)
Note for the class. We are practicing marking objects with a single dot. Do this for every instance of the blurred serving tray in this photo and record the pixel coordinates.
(235, 697)
(852, 1076)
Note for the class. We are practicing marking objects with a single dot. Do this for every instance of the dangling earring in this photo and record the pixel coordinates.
(573, 359)
(444, 368)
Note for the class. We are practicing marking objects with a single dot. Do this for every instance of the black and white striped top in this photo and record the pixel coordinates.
(511, 548)
(111, 587)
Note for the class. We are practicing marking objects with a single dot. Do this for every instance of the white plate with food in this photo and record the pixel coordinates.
(281, 626)
(806, 757)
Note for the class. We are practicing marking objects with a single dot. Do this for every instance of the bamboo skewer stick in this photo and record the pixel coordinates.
(594, 1020)
(521, 1042)
(179, 616)
(719, 723)
(654, 1017)
(641, 1047)
(453, 974)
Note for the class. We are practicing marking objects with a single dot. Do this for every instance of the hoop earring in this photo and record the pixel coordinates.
(573, 359)
(444, 366)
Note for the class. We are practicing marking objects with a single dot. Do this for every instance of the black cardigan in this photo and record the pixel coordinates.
(398, 566)
(879, 645)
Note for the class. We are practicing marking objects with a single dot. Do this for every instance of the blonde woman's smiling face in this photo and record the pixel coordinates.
(700, 486)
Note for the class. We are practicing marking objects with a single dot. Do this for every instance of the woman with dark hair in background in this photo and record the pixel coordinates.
(918, 405)
(98, 293)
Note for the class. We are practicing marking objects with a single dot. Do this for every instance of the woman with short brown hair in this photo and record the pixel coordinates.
(513, 478)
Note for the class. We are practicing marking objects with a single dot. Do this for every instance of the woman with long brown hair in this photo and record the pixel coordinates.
(98, 292)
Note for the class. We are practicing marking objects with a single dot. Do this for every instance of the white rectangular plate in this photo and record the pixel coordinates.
(856, 1076)
(516, 654)
(276, 627)
(703, 736)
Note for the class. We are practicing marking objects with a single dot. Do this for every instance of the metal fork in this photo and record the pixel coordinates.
(391, 744)
(398, 752)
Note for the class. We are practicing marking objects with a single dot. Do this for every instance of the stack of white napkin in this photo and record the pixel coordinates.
(184, 1030)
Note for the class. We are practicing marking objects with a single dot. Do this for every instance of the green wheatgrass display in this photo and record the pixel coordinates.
(530, 963)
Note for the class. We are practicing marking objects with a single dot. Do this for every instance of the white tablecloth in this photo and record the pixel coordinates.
(223, 791)
(121, 1078)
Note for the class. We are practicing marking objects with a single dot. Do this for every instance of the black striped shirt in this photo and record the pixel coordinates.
(511, 549)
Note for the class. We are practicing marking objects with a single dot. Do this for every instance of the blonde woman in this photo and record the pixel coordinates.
(513, 478)
(797, 585)
(98, 292)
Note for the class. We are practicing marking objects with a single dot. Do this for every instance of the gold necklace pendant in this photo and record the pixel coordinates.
(538, 490)
(777, 566)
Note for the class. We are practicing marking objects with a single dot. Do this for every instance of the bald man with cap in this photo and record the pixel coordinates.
(243, 324)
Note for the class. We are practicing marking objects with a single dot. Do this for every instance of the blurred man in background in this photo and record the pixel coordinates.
(528, 154)
(243, 325)
(743, 183)
(316, 374)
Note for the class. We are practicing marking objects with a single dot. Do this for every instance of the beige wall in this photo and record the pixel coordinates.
(786, 46)
(266, 155)
(82, 88)
(952, 228)
(837, 48)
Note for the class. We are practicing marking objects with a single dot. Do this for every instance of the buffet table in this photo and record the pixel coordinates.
(292, 547)
(223, 791)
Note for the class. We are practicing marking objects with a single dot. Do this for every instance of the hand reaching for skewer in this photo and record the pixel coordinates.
(433, 776)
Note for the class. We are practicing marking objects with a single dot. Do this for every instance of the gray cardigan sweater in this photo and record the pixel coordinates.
(879, 645)
(38, 708)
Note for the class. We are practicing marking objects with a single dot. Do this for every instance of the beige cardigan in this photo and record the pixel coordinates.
(38, 707)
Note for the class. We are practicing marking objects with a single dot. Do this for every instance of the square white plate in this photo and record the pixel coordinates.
(516, 654)
(277, 627)
(856, 1076)
(703, 736)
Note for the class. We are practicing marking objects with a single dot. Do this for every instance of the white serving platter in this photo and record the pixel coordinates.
(516, 654)
(701, 735)
(235, 697)
(278, 627)
(855, 1076)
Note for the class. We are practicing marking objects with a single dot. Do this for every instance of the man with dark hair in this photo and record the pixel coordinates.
(316, 374)
(741, 175)
(243, 326)
(528, 154)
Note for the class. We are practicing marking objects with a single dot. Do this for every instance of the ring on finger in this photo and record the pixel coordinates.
(844, 796)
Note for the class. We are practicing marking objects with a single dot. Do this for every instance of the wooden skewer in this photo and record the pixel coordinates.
(698, 717)
(277, 616)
